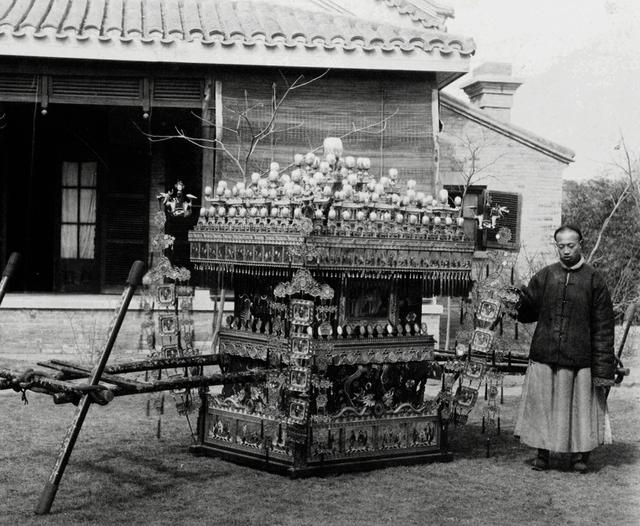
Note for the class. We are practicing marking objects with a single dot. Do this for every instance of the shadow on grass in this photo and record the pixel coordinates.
(124, 480)
(469, 442)
(617, 454)
(151, 474)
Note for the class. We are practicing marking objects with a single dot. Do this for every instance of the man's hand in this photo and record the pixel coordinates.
(602, 382)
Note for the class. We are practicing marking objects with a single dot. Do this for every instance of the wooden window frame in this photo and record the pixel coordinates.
(78, 187)
(483, 239)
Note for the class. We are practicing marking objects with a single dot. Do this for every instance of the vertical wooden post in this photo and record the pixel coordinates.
(447, 339)
(219, 121)
(208, 133)
(444, 434)
(383, 96)
(435, 121)
(217, 320)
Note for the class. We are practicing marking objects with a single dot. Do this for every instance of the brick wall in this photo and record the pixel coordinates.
(52, 327)
(31, 332)
(512, 167)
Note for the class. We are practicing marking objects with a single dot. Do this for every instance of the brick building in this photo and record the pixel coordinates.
(83, 85)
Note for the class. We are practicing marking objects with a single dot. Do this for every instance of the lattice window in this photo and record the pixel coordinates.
(509, 223)
(78, 221)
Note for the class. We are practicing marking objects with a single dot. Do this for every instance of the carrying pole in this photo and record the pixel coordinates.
(51, 487)
(7, 273)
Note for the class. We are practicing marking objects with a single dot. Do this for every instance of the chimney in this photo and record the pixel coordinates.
(491, 88)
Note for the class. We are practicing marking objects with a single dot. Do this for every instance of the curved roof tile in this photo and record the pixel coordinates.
(16, 13)
(172, 18)
(152, 17)
(112, 21)
(35, 17)
(5, 7)
(75, 16)
(95, 16)
(191, 18)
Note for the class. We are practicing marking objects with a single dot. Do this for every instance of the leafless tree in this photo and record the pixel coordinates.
(629, 165)
(628, 168)
(472, 158)
(616, 201)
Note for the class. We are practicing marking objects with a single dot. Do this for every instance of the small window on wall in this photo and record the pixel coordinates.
(505, 232)
(78, 217)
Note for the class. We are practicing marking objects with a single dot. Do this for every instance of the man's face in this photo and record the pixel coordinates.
(569, 247)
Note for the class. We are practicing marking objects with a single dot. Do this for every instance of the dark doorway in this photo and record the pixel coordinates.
(125, 196)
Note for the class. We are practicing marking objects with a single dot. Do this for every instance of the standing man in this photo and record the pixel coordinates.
(563, 405)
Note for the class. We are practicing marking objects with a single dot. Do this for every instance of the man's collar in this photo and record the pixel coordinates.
(574, 267)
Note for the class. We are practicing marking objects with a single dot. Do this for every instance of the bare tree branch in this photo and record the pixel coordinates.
(628, 170)
(467, 161)
(289, 128)
(284, 78)
(314, 79)
(605, 223)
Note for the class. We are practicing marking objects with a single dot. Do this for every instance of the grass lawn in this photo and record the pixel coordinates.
(120, 473)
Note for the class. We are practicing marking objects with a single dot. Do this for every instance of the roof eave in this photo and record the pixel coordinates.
(445, 78)
(448, 64)
(532, 140)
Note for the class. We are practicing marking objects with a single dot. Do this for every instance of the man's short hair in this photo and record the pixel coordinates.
(568, 227)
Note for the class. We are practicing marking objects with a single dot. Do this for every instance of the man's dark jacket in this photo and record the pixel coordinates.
(575, 319)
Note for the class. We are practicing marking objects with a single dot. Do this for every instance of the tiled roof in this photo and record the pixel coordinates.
(425, 13)
(435, 18)
(220, 22)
